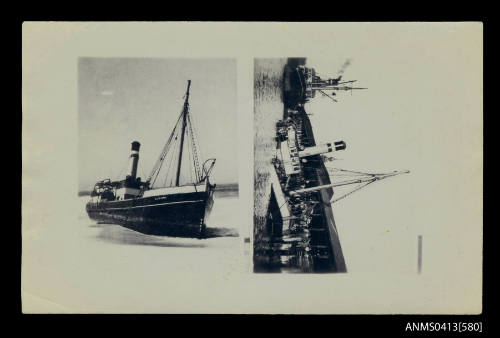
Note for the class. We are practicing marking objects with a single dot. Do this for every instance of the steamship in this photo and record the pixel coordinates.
(301, 84)
(175, 209)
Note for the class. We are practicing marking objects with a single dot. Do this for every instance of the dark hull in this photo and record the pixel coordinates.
(293, 83)
(176, 215)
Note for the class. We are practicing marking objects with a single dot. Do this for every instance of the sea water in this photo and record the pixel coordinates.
(268, 110)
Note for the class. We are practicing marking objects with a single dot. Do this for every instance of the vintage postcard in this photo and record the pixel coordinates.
(252, 167)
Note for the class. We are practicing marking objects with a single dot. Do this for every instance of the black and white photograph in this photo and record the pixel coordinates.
(174, 107)
(295, 174)
(354, 153)
(252, 167)
(153, 179)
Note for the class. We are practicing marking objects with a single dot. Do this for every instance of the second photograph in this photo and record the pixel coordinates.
(296, 173)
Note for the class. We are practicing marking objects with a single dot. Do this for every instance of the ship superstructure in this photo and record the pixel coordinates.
(305, 228)
(311, 83)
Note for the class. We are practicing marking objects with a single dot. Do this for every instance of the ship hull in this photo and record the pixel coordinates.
(293, 83)
(177, 215)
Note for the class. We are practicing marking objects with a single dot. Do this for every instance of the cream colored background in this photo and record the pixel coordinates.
(53, 280)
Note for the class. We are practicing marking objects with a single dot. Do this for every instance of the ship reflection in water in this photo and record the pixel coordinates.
(268, 110)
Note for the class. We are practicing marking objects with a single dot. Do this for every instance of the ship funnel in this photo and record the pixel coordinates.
(134, 159)
(339, 145)
(322, 148)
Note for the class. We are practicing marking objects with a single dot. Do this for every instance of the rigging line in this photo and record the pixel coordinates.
(340, 179)
(200, 147)
(161, 160)
(357, 172)
(336, 173)
(333, 200)
(346, 175)
(197, 147)
(170, 150)
(194, 123)
(194, 143)
(194, 174)
(160, 164)
(167, 168)
(166, 157)
(194, 159)
(282, 205)
(352, 176)
(172, 157)
(325, 94)
(164, 151)
(345, 170)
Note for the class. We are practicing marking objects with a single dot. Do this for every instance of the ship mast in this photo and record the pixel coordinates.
(173, 149)
(184, 115)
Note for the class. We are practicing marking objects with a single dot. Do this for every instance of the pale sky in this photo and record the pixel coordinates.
(127, 99)
(421, 112)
